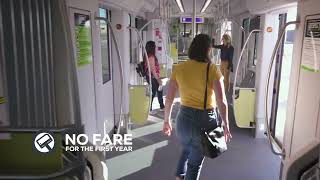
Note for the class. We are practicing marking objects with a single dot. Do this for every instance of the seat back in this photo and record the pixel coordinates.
(139, 104)
(20, 157)
(244, 107)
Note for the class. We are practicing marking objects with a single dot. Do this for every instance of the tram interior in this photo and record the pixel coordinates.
(70, 67)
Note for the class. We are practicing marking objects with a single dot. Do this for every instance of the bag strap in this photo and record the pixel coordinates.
(206, 89)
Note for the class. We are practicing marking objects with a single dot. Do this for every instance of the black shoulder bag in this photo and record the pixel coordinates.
(212, 136)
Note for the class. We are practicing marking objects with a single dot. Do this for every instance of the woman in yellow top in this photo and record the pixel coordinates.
(190, 79)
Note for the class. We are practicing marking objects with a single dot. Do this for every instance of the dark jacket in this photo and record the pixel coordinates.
(226, 53)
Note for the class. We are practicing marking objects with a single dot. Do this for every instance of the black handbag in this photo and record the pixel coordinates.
(212, 135)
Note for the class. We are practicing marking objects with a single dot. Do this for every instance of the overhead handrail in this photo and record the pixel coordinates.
(270, 137)
(120, 68)
(238, 64)
(145, 25)
(234, 21)
(148, 63)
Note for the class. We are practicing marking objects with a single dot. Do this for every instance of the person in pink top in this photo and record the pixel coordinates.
(155, 73)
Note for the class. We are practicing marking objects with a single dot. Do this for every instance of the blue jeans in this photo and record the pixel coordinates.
(191, 158)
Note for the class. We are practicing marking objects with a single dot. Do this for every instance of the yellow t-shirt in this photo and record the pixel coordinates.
(191, 79)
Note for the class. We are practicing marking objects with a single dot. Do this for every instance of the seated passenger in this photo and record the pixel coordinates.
(189, 78)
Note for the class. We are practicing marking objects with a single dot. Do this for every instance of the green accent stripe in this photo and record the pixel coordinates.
(309, 69)
(2, 100)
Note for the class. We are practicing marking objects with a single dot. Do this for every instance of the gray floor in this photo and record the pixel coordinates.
(155, 156)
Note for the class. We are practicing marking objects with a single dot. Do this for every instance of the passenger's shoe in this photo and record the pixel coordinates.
(153, 112)
(162, 109)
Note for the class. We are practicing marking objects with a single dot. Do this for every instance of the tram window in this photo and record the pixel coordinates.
(248, 25)
(245, 25)
(290, 37)
(254, 23)
(226, 28)
(105, 46)
(255, 54)
(140, 22)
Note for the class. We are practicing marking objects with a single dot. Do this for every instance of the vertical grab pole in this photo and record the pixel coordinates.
(169, 47)
(145, 25)
(148, 64)
(194, 16)
(120, 68)
(228, 7)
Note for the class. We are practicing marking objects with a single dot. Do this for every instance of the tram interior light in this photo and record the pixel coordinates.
(180, 5)
(205, 6)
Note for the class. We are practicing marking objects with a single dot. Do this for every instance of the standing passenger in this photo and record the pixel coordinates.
(155, 73)
(190, 79)
(226, 58)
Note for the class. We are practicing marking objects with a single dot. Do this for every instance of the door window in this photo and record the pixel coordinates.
(282, 77)
(105, 46)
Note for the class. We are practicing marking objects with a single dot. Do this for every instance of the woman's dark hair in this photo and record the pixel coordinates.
(199, 48)
(151, 48)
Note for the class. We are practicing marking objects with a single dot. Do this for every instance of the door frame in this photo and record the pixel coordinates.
(110, 55)
(4, 108)
(72, 11)
(277, 80)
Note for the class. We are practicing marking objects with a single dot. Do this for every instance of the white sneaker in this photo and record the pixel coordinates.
(153, 112)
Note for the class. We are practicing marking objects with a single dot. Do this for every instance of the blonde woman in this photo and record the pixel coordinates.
(226, 56)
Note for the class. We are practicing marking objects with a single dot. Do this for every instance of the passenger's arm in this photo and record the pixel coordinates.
(172, 89)
(153, 69)
(222, 103)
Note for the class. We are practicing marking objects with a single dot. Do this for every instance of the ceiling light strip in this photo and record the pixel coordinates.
(205, 6)
(180, 5)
